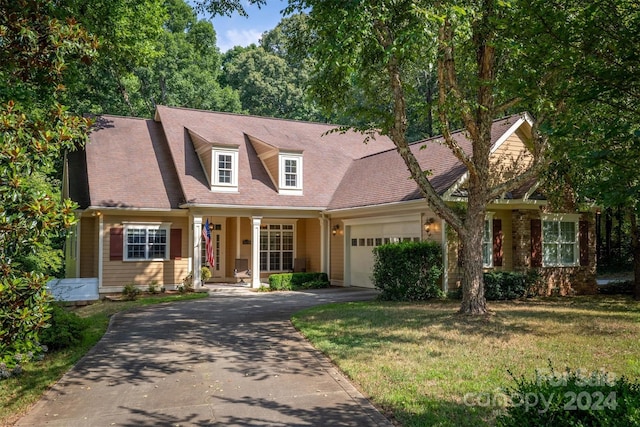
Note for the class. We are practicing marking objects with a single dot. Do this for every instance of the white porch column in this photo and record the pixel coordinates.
(255, 251)
(196, 242)
(101, 248)
(324, 245)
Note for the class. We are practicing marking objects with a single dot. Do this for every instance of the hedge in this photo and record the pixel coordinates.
(297, 281)
(408, 271)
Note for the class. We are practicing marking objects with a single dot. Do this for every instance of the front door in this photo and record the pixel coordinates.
(216, 226)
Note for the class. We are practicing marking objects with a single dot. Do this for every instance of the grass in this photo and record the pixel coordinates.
(17, 394)
(418, 361)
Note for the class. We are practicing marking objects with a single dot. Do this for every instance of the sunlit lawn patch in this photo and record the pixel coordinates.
(418, 361)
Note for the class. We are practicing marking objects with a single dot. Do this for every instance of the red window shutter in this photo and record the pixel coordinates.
(497, 243)
(584, 242)
(176, 243)
(115, 243)
(536, 243)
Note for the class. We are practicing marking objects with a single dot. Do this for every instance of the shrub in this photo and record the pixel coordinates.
(408, 271)
(65, 329)
(504, 285)
(154, 288)
(130, 291)
(24, 311)
(298, 281)
(205, 273)
(572, 398)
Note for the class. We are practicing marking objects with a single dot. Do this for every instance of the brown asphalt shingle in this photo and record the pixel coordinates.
(139, 163)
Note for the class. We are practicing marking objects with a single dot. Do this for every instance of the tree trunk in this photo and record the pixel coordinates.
(473, 300)
(635, 246)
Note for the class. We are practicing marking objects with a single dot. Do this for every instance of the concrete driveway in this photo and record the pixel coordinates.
(232, 359)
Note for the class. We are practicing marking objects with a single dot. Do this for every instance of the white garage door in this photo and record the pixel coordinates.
(363, 238)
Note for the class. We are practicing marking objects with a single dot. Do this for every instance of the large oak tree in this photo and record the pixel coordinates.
(370, 51)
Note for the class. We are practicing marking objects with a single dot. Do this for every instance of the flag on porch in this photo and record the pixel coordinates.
(208, 244)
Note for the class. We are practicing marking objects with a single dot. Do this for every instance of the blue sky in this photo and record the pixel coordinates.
(241, 31)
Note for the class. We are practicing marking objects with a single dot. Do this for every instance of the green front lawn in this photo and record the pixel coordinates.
(18, 393)
(425, 365)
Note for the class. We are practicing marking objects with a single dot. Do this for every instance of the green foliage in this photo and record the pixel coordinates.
(574, 398)
(65, 329)
(408, 271)
(205, 273)
(298, 281)
(154, 287)
(24, 312)
(130, 291)
(38, 44)
(505, 285)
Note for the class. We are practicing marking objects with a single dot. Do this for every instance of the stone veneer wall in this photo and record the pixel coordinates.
(578, 280)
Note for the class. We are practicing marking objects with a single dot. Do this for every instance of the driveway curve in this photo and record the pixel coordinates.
(233, 359)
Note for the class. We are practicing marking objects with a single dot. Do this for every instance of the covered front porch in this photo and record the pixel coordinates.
(267, 243)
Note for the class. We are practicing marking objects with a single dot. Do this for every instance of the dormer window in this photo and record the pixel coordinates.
(219, 162)
(290, 181)
(225, 170)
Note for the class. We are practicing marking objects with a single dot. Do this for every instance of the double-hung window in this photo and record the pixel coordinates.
(290, 180)
(560, 240)
(276, 247)
(225, 170)
(146, 242)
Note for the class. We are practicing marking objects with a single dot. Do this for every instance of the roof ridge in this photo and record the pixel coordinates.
(228, 113)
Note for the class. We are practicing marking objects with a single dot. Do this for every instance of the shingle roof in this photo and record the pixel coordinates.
(326, 156)
(128, 165)
(139, 163)
(384, 178)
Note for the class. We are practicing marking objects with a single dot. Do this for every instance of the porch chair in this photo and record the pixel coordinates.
(241, 270)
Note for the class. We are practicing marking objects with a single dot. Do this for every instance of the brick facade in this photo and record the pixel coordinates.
(579, 280)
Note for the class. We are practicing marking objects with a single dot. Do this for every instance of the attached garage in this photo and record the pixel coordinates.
(362, 235)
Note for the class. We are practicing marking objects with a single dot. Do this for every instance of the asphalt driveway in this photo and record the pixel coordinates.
(232, 359)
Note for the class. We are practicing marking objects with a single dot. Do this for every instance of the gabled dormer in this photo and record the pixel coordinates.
(219, 162)
(283, 165)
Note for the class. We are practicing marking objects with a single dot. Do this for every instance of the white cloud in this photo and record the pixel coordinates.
(232, 38)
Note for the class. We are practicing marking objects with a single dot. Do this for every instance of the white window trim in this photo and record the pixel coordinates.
(575, 218)
(283, 188)
(146, 226)
(488, 217)
(294, 224)
(216, 185)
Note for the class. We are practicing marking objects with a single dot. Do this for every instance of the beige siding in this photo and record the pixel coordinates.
(271, 164)
(167, 273)
(511, 158)
(88, 247)
(336, 244)
(309, 239)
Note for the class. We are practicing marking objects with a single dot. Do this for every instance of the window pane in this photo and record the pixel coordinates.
(567, 253)
(487, 231)
(224, 176)
(568, 232)
(487, 254)
(274, 241)
(136, 235)
(550, 254)
(550, 231)
(274, 261)
(287, 241)
(264, 242)
(354, 242)
(263, 261)
(290, 166)
(157, 243)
